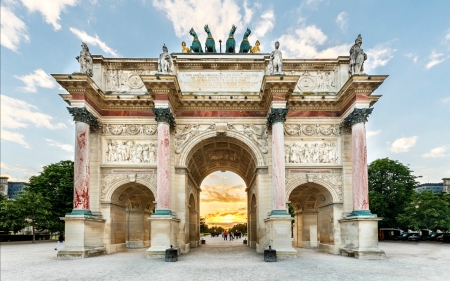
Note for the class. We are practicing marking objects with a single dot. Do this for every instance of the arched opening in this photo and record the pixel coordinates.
(131, 206)
(210, 158)
(315, 217)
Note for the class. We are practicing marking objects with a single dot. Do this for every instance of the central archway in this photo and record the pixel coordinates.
(220, 153)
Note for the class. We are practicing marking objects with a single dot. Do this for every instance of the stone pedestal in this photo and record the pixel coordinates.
(360, 238)
(84, 236)
(278, 232)
(164, 230)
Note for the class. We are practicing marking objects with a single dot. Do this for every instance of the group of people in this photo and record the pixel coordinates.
(228, 235)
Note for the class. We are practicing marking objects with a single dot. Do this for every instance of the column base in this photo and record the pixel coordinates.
(164, 230)
(359, 237)
(361, 213)
(77, 212)
(162, 212)
(84, 236)
(278, 231)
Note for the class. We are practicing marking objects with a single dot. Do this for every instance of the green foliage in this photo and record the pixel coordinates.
(241, 227)
(29, 209)
(391, 186)
(203, 226)
(55, 183)
(427, 211)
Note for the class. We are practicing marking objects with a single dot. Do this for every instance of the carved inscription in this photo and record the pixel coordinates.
(220, 82)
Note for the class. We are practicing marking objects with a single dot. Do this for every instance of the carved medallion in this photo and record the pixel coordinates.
(135, 82)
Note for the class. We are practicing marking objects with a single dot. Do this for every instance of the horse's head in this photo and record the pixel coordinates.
(192, 32)
(247, 32)
(207, 29)
(233, 29)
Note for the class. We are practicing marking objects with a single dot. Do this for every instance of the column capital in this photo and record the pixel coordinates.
(81, 114)
(358, 115)
(164, 115)
(277, 115)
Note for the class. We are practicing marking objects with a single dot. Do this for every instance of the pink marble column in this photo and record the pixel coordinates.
(81, 166)
(278, 167)
(163, 172)
(276, 118)
(83, 122)
(165, 119)
(360, 179)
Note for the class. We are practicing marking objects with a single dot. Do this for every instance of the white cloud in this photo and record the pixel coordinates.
(13, 30)
(372, 133)
(403, 144)
(17, 172)
(341, 20)
(304, 43)
(378, 56)
(38, 78)
(436, 152)
(446, 100)
(412, 56)
(50, 10)
(63, 146)
(435, 58)
(86, 38)
(17, 114)
(248, 14)
(265, 24)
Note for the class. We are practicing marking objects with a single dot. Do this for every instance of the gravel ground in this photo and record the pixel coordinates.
(225, 260)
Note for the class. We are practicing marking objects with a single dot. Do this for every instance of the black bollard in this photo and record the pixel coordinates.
(245, 241)
(270, 255)
(171, 254)
(203, 241)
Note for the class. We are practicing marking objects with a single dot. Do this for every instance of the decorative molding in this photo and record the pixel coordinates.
(108, 181)
(163, 115)
(334, 180)
(311, 130)
(277, 115)
(129, 130)
(131, 151)
(358, 115)
(320, 152)
(81, 114)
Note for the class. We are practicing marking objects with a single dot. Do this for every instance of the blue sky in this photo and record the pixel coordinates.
(408, 40)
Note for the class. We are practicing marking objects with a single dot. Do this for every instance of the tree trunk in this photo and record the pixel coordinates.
(34, 235)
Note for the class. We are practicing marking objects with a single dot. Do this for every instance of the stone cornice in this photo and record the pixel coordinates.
(358, 115)
(164, 115)
(81, 114)
(277, 115)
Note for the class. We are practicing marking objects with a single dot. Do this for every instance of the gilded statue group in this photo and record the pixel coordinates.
(210, 44)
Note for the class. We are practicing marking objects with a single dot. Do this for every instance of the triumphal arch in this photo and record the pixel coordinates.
(149, 130)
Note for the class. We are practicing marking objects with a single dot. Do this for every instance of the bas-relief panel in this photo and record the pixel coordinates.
(129, 129)
(311, 130)
(130, 151)
(312, 152)
(316, 81)
(124, 80)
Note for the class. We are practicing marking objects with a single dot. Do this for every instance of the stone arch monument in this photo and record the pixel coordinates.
(293, 129)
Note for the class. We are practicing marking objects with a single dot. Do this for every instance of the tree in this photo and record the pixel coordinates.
(30, 208)
(241, 227)
(203, 226)
(391, 186)
(427, 211)
(55, 183)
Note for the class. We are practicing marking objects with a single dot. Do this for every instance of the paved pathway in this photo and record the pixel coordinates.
(227, 260)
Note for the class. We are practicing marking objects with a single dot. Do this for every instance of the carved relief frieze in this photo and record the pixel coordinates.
(108, 180)
(316, 81)
(310, 152)
(310, 130)
(131, 151)
(124, 80)
(129, 130)
(256, 133)
(223, 155)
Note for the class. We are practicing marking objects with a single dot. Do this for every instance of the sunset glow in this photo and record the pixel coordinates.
(223, 199)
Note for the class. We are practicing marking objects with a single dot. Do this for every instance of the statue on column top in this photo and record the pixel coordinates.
(165, 62)
(357, 57)
(85, 60)
(276, 61)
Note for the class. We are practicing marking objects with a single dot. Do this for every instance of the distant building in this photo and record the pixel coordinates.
(14, 189)
(439, 187)
(4, 186)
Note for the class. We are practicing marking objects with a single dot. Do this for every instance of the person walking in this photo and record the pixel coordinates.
(225, 235)
(60, 240)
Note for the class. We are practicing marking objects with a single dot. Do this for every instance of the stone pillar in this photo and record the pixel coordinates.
(164, 225)
(83, 230)
(359, 230)
(165, 119)
(360, 179)
(278, 224)
(83, 120)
